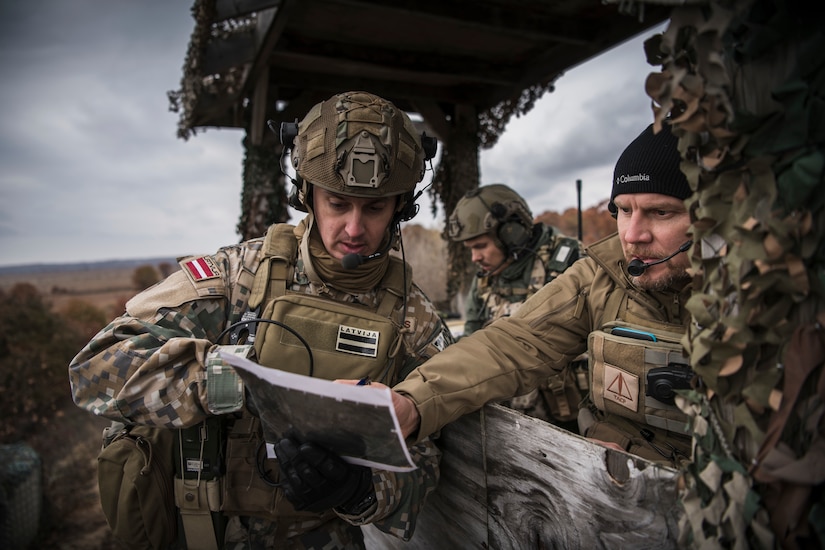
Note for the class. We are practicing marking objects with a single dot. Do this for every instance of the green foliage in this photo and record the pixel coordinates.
(36, 346)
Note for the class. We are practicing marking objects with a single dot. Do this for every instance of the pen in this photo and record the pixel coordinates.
(364, 381)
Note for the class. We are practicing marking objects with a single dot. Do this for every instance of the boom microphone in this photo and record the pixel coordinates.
(351, 261)
(636, 267)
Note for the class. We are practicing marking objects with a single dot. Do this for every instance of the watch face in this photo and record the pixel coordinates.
(361, 507)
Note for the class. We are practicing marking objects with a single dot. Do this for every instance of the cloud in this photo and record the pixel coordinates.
(92, 168)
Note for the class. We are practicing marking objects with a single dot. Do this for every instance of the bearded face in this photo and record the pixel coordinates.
(651, 227)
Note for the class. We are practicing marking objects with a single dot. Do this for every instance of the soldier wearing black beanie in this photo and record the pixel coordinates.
(624, 304)
(650, 164)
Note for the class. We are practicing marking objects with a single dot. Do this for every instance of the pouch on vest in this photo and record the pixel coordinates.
(135, 474)
(635, 375)
(347, 340)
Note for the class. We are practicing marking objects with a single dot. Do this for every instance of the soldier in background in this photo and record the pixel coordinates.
(358, 160)
(516, 258)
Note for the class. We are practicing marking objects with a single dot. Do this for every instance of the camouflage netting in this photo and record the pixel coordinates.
(744, 85)
(195, 85)
(263, 200)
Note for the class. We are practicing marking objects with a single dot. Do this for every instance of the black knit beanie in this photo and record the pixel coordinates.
(650, 164)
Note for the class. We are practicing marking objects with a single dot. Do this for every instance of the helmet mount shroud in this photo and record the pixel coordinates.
(493, 209)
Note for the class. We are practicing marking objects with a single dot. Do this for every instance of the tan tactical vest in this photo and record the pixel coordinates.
(635, 367)
(345, 341)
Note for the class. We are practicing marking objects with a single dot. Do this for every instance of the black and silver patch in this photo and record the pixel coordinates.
(357, 341)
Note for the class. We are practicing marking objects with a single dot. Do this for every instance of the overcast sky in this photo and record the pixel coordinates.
(91, 168)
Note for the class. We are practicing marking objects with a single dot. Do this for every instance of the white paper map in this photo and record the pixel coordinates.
(356, 422)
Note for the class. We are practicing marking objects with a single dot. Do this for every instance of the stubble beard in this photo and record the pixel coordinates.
(674, 278)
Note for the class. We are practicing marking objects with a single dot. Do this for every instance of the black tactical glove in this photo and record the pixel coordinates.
(316, 479)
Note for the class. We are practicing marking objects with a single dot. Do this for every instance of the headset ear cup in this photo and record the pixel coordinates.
(513, 235)
(409, 208)
(613, 209)
(409, 211)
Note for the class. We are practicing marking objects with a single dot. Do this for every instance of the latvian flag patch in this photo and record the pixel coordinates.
(201, 269)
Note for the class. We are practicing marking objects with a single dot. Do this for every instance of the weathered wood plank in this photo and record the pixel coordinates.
(511, 481)
(548, 488)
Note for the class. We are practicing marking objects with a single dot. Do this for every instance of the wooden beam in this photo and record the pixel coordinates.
(434, 116)
(504, 18)
(260, 106)
(342, 67)
(270, 26)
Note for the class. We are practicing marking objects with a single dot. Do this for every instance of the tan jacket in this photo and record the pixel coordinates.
(515, 354)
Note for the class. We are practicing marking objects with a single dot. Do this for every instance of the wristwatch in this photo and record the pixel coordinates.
(361, 507)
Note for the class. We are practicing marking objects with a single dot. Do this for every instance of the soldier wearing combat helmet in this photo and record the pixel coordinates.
(357, 160)
(515, 258)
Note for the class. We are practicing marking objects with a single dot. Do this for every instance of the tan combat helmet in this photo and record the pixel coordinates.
(495, 209)
(360, 145)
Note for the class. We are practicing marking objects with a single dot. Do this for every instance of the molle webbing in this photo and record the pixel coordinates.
(280, 250)
(620, 370)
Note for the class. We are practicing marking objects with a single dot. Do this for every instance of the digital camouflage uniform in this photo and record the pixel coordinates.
(147, 367)
(493, 297)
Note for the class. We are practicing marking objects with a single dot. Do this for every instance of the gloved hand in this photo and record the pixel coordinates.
(316, 479)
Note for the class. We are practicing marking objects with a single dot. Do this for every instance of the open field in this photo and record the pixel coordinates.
(106, 288)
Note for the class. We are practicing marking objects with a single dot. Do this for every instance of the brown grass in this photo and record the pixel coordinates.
(105, 288)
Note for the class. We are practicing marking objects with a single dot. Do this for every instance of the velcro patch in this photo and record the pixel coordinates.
(621, 387)
(357, 341)
(201, 269)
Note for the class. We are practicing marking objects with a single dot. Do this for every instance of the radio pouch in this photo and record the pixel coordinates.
(637, 374)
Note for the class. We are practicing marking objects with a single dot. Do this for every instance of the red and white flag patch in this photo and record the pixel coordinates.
(201, 269)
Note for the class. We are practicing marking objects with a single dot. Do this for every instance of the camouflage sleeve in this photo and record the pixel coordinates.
(400, 496)
(473, 310)
(428, 333)
(147, 366)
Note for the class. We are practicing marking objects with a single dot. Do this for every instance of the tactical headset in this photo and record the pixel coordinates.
(511, 231)
(496, 210)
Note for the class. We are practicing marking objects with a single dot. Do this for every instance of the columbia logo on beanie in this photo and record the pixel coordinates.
(650, 164)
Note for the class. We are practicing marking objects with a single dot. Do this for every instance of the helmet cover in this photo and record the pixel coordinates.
(484, 209)
(360, 145)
